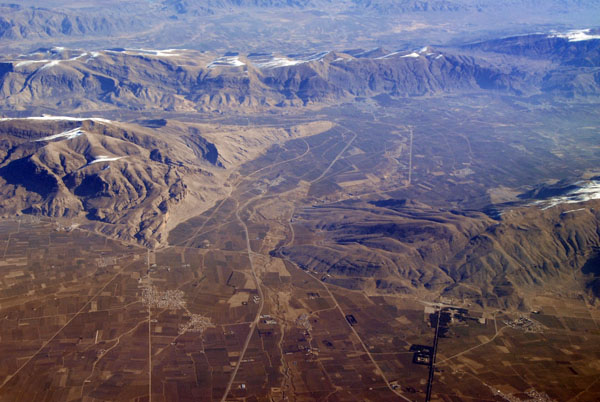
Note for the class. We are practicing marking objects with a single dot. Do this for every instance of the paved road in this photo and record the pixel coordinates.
(433, 355)
(260, 306)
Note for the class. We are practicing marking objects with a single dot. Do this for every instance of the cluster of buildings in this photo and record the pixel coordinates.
(525, 324)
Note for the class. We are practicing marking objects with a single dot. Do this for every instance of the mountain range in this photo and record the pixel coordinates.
(186, 80)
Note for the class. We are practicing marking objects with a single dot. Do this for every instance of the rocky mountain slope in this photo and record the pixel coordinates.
(405, 248)
(392, 245)
(124, 180)
(532, 251)
(578, 48)
(576, 54)
(188, 80)
(122, 176)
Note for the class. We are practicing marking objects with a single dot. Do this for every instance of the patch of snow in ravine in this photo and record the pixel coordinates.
(53, 63)
(154, 52)
(316, 56)
(67, 135)
(104, 158)
(28, 62)
(386, 56)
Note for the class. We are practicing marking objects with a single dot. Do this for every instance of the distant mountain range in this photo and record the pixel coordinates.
(18, 23)
(383, 6)
(578, 48)
(278, 25)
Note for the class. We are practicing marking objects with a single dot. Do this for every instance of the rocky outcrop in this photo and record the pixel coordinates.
(100, 171)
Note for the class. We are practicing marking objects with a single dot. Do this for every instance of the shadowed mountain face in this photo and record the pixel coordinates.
(578, 48)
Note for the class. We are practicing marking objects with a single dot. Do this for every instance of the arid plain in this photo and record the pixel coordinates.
(317, 275)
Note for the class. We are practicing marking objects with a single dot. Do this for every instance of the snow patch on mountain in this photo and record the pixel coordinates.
(226, 61)
(577, 35)
(66, 135)
(28, 62)
(104, 158)
(587, 190)
(53, 63)
(278, 62)
(386, 56)
(57, 118)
